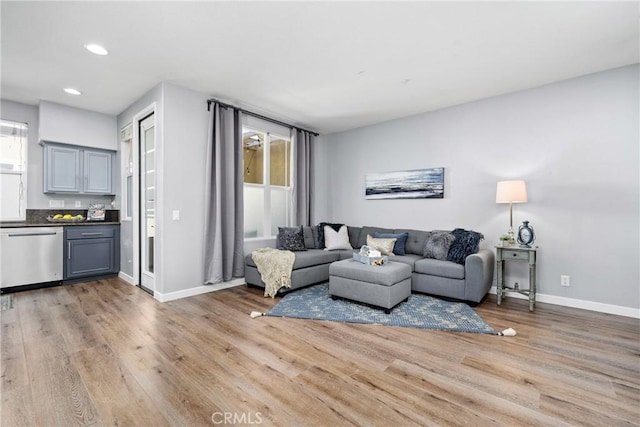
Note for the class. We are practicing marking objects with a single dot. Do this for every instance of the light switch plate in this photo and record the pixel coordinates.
(56, 203)
(78, 204)
(176, 215)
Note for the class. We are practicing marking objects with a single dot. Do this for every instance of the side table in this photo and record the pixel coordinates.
(519, 254)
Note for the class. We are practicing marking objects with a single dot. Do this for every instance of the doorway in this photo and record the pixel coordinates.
(147, 201)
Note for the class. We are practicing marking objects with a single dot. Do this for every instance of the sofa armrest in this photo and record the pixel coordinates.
(478, 274)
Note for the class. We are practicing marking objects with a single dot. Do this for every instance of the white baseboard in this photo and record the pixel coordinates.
(578, 303)
(130, 280)
(197, 290)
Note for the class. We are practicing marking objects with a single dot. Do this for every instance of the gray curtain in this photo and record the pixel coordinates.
(224, 208)
(303, 177)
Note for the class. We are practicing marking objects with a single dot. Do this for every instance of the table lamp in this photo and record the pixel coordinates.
(511, 192)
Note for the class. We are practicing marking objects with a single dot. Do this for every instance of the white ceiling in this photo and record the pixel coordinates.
(328, 66)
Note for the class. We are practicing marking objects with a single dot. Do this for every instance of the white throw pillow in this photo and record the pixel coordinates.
(383, 245)
(334, 240)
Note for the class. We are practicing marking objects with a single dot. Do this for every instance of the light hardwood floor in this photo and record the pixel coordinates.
(106, 353)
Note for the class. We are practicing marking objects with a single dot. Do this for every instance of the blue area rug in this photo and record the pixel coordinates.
(420, 311)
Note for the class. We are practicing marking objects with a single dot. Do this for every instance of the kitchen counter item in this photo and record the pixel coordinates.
(4, 225)
(31, 255)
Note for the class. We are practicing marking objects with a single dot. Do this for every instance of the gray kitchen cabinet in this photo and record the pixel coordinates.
(91, 250)
(74, 169)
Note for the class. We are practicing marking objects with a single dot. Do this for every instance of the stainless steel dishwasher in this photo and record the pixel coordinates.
(30, 255)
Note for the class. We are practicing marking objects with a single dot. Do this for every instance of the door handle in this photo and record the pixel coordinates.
(31, 234)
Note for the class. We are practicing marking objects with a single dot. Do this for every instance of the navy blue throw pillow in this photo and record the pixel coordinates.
(467, 242)
(401, 241)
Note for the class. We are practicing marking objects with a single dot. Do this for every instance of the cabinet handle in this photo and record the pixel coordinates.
(92, 234)
(69, 250)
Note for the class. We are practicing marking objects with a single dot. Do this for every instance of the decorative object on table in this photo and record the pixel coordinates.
(505, 240)
(370, 256)
(526, 235)
(95, 212)
(511, 192)
(65, 218)
(411, 184)
(419, 311)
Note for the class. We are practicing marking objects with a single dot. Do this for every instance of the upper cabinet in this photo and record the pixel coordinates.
(71, 169)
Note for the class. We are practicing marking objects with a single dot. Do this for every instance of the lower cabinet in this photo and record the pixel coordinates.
(91, 250)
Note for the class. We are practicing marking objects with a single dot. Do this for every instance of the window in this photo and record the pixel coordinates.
(13, 170)
(267, 182)
(126, 140)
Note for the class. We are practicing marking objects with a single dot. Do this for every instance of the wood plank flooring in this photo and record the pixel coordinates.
(106, 353)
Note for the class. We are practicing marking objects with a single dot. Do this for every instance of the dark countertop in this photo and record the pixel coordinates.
(54, 224)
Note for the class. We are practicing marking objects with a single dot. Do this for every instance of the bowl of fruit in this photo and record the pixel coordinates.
(65, 218)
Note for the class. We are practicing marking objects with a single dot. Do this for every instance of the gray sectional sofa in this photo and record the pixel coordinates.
(469, 282)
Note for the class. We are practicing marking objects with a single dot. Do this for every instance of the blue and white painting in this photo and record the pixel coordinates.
(413, 184)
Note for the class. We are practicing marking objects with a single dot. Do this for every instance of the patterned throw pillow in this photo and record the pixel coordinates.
(290, 239)
(401, 241)
(385, 246)
(437, 244)
(334, 240)
(466, 242)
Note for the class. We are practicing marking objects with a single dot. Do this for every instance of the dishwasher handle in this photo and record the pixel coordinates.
(31, 234)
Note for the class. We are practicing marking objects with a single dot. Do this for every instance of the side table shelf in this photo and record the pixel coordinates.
(518, 254)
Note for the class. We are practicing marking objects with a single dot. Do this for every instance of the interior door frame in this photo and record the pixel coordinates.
(136, 218)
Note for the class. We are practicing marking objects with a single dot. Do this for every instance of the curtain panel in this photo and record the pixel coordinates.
(302, 199)
(224, 205)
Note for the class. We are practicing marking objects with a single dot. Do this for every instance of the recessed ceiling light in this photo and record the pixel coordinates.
(97, 49)
(72, 91)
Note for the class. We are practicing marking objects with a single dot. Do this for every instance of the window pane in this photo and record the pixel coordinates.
(129, 199)
(280, 155)
(253, 211)
(279, 209)
(253, 156)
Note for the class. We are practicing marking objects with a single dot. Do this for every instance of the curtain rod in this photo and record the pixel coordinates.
(259, 116)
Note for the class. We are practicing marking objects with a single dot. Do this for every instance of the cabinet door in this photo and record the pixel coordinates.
(62, 169)
(89, 257)
(97, 172)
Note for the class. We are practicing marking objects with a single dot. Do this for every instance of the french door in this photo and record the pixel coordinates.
(147, 200)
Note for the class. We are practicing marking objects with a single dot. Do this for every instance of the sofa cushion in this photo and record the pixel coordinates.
(366, 230)
(290, 239)
(306, 259)
(436, 267)
(309, 240)
(438, 244)
(354, 234)
(336, 240)
(401, 241)
(415, 241)
(466, 243)
(408, 259)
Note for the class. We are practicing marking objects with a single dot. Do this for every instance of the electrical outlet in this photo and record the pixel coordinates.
(78, 204)
(565, 280)
(176, 215)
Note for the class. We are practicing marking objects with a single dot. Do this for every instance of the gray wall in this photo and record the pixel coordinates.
(181, 136)
(576, 145)
(36, 198)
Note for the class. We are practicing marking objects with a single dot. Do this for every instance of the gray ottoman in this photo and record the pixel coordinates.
(381, 285)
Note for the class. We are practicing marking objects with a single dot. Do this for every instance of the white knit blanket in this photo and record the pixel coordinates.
(275, 268)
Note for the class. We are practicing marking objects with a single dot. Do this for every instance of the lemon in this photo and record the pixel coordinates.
(57, 216)
(67, 216)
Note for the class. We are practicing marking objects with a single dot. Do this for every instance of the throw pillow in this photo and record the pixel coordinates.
(320, 227)
(467, 242)
(401, 241)
(290, 239)
(437, 244)
(385, 246)
(334, 240)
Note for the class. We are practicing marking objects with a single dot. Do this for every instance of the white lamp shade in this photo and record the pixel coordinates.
(511, 192)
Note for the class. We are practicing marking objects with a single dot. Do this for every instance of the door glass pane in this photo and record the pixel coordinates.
(148, 192)
(253, 211)
(253, 156)
(279, 162)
